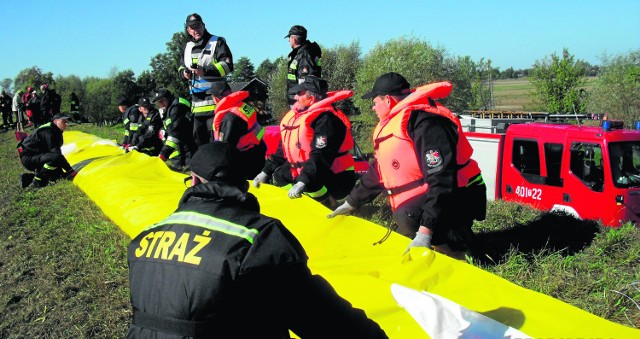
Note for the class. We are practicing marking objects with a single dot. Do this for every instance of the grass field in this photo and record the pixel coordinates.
(516, 94)
(63, 269)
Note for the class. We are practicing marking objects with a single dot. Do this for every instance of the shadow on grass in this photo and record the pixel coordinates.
(550, 231)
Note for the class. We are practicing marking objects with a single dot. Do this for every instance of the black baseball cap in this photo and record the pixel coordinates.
(297, 30)
(218, 88)
(122, 102)
(218, 160)
(311, 83)
(389, 84)
(193, 19)
(60, 116)
(144, 102)
(160, 94)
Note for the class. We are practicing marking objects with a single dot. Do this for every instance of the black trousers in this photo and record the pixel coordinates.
(47, 166)
(454, 226)
(202, 130)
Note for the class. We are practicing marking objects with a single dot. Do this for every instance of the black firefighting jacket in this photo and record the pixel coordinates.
(218, 268)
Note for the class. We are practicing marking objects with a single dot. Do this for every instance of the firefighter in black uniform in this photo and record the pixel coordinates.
(40, 152)
(236, 122)
(178, 129)
(147, 139)
(217, 268)
(304, 59)
(207, 59)
(315, 161)
(130, 119)
(423, 162)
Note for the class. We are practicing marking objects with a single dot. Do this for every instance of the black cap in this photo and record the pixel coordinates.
(389, 84)
(218, 160)
(122, 102)
(144, 102)
(160, 94)
(193, 19)
(60, 116)
(311, 83)
(297, 30)
(218, 88)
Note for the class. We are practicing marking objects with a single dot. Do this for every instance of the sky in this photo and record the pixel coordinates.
(93, 38)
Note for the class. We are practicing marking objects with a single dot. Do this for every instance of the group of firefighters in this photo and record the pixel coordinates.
(252, 280)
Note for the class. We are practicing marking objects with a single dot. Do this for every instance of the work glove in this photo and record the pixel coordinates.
(123, 147)
(131, 148)
(261, 178)
(296, 190)
(343, 209)
(162, 157)
(420, 240)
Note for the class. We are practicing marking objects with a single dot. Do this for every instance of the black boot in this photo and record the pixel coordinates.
(26, 179)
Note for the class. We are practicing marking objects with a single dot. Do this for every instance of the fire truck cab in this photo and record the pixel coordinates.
(590, 172)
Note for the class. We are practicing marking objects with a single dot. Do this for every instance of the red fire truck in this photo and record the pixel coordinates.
(590, 172)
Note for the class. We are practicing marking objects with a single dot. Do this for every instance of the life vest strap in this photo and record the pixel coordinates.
(179, 327)
(403, 188)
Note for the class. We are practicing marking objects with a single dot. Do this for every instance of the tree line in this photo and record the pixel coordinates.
(559, 80)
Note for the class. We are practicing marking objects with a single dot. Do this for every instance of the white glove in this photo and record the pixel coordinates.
(343, 209)
(421, 240)
(296, 190)
(261, 178)
(131, 148)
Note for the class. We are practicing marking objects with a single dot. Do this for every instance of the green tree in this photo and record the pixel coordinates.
(265, 69)
(146, 82)
(277, 81)
(33, 77)
(339, 67)
(165, 66)
(243, 70)
(557, 81)
(65, 85)
(471, 83)
(418, 61)
(617, 90)
(98, 103)
(5, 84)
(124, 85)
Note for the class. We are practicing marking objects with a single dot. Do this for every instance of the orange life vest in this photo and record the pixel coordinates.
(398, 164)
(233, 104)
(297, 134)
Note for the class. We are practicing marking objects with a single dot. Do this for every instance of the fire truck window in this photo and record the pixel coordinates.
(553, 159)
(526, 159)
(586, 164)
(625, 163)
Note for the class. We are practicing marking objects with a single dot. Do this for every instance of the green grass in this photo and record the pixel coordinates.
(63, 269)
(516, 94)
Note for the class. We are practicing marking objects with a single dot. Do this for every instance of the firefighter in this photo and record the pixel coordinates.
(207, 59)
(304, 59)
(147, 139)
(40, 152)
(314, 156)
(74, 108)
(46, 103)
(423, 162)
(236, 122)
(217, 268)
(178, 137)
(130, 119)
